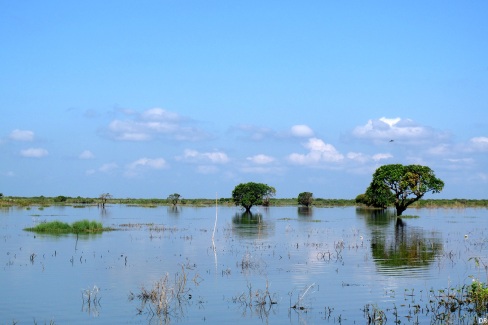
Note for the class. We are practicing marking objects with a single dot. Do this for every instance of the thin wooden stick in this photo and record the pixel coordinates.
(216, 216)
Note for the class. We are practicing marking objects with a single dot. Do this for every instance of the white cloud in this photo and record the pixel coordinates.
(261, 170)
(319, 152)
(440, 149)
(460, 160)
(216, 157)
(86, 154)
(34, 153)
(479, 143)
(160, 114)
(301, 131)
(135, 168)
(357, 156)
(362, 158)
(381, 156)
(401, 130)
(157, 163)
(21, 135)
(261, 159)
(105, 168)
(153, 123)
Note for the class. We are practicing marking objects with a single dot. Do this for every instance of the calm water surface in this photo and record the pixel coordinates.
(327, 262)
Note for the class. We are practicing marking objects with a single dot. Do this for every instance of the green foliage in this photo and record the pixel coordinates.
(270, 192)
(87, 226)
(78, 227)
(60, 198)
(478, 294)
(305, 198)
(401, 186)
(174, 198)
(249, 194)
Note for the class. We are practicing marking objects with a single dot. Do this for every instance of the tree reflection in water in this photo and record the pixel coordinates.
(403, 246)
(305, 211)
(249, 224)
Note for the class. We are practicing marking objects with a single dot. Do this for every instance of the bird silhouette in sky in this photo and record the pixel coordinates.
(392, 140)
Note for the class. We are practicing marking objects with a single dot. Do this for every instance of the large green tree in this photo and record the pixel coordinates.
(401, 186)
(305, 198)
(249, 194)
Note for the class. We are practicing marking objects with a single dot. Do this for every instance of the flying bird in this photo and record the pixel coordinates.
(392, 140)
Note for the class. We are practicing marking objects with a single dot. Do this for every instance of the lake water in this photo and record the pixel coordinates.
(282, 265)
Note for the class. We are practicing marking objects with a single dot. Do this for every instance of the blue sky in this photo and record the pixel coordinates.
(147, 98)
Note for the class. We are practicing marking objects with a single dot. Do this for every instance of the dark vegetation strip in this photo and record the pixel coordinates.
(9, 201)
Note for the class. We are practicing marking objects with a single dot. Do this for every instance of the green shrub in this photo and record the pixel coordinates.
(478, 293)
(78, 227)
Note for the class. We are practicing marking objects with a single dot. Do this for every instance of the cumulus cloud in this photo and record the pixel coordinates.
(215, 157)
(260, 159)
(319, 152)
(21, 135)
(154, 123)
(301, 130)
(86, 154)
(34, 153)
(137, 166)
(400, 130)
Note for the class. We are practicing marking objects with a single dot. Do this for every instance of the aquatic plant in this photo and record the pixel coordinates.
(166, 298)
(374, 315)
(91, 301)
(78, 227)
(478, 295)
(258, 301)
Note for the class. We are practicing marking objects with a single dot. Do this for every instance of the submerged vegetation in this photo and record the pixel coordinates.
(78, 227)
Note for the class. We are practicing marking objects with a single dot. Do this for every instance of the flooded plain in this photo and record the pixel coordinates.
(281, 265)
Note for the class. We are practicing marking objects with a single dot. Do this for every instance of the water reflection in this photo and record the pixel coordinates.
(249, 224)
(174, 210)
(376, 218)
(305, 211)
(403, 247)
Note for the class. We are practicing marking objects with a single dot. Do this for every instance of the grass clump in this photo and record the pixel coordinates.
(78, 227)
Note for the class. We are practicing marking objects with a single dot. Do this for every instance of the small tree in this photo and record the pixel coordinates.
(249, 194)
(174, 198)
(104, 198)
(401, 185)
(305, 198)
(271, 192)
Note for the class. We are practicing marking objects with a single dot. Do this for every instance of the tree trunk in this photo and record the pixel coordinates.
(399, 209)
